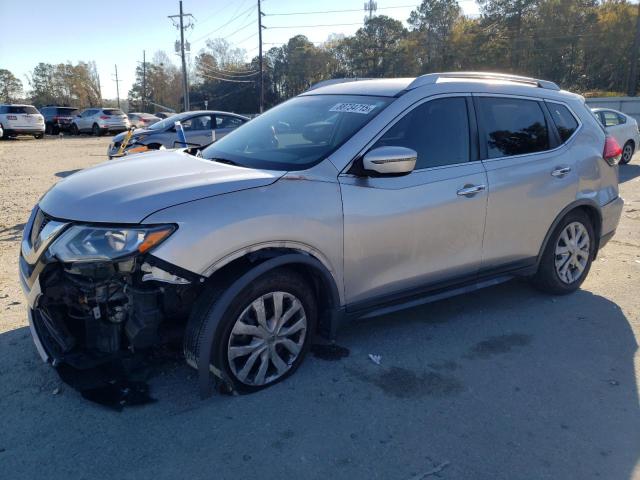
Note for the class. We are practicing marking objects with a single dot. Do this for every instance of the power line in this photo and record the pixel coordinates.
(252, 7)
(215, 72)
(334, 11)
(213, 77)
(319, 25)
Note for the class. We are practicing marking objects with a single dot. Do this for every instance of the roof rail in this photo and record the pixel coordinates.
(431, 78)
(334, 81)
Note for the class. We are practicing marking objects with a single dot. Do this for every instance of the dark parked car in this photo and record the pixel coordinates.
(57, 119)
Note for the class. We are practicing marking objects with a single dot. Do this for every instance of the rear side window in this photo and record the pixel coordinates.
(512, 126)
(21, 109)
(610, 119)
(226, 121)
(112, 111)
(563, 119)
(438, 130)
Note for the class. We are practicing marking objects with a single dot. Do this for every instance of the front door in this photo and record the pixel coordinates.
(199, 130)
(408, 232)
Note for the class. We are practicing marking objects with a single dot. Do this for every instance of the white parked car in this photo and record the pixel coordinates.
(99, 121)
(623, 128)
(142, 120)
(21, 120)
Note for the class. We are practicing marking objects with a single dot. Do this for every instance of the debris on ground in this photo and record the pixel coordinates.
(377, 359)
(433, 471)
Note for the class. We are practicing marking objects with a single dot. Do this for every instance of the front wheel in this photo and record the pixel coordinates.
(567, 258)
(266, 331)
(627, 153)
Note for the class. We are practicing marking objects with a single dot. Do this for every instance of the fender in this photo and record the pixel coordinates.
(222, 304)
(583, 202)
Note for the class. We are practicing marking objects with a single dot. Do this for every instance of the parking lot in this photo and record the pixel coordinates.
(504, 383)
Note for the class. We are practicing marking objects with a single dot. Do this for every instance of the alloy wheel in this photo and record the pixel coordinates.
(572, 252)
(627, 152)
(267, 338)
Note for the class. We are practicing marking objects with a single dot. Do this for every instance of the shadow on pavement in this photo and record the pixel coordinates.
(504, 383)
(628, 172)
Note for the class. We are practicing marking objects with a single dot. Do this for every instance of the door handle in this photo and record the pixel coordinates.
(560, 172)
(471, 190)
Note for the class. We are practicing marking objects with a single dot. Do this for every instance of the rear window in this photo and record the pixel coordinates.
(112, 111)
(513, 126)
(21, 109)
(66, 111)
(564, 120)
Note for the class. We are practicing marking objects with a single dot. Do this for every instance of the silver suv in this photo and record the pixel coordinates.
(99, 121)
(353, 199)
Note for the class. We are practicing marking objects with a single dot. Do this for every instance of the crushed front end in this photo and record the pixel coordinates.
(96, 294)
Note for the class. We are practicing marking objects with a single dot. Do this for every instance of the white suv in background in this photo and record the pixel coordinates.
(21, 120)
(99, 121)
(623, 128)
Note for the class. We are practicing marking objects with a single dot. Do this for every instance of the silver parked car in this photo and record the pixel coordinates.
(623, 128)
(200, 128)
(351, 200)
(99, 121)
(142, 120)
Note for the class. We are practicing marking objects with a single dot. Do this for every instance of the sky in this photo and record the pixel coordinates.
(116, 32)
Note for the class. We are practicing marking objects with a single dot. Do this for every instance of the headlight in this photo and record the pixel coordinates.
(82, 243)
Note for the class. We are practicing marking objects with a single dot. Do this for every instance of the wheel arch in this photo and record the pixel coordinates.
(591, 208)
(237, 274)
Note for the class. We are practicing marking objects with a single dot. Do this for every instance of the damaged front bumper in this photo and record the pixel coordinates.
(88, 313)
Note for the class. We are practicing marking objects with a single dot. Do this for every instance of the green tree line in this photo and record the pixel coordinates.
(583, 45)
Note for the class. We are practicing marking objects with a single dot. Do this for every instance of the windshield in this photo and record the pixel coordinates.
(298, 133)
(168, 122)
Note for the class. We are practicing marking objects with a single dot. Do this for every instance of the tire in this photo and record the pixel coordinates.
(627, 153)
(74, 129)
(48, 129)
(244, 350)
(39, 136)
(95, 130)
(564, 266)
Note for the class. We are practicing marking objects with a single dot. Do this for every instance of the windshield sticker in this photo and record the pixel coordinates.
(362, 108)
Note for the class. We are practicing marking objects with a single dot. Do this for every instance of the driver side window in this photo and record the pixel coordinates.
(438, 130)
(203, 122)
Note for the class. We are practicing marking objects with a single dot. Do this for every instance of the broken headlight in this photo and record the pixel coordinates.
(83, 243)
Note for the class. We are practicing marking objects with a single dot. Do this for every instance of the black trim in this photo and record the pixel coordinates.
(474, 137)
(482, 133)
(173, 269)
(554, 136)
(604, 239)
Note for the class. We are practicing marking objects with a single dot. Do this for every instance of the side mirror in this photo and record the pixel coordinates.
(390, 160)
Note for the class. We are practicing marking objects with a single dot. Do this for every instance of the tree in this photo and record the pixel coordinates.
(10, 87)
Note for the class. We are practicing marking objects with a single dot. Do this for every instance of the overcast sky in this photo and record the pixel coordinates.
(117, 31)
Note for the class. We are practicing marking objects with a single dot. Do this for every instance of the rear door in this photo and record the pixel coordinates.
(416, 231)
(530, 172)
(225, 124)
(199, 129)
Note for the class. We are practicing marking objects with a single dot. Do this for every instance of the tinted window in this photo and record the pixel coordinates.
(203, 122)
(112, 111)
(610, 119)
(564, 120)
(21, 109)
(225, 121)
(513, 126)
(67, 112)
(438, 130)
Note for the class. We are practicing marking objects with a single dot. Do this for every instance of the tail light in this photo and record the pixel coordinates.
(11, 117)
(612, 151)
(104, 117)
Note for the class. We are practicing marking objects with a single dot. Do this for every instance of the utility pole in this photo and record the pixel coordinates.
(632, 85)
(117, 86)
(144, 81)
(370, 6)
(182, 26)
(260, 27)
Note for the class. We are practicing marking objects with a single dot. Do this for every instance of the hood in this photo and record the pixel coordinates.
(128, 190)
(136, 133)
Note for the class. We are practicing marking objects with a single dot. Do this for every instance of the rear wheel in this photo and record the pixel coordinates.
(627, 153)
(566, 260)
(39, 136)
(95, 130)
(74, 129)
